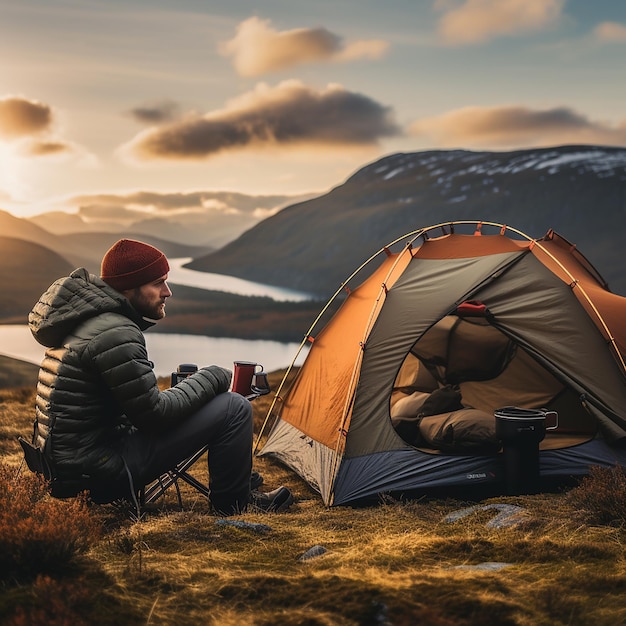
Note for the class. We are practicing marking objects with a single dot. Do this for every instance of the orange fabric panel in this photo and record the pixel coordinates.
(612, 307)
(468, 246)
(321, 394)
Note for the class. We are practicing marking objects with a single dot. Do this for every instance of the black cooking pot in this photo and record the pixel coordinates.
(521, 431)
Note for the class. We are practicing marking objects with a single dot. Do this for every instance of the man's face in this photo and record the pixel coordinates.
(149, 299)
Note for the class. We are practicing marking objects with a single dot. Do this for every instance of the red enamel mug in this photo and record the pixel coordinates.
(243, 373)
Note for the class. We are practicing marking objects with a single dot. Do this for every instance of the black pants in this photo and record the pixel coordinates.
(225, 424)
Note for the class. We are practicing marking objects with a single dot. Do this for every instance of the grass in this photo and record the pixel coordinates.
(394, 563)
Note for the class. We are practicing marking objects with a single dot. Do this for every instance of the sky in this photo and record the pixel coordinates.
(103, 102)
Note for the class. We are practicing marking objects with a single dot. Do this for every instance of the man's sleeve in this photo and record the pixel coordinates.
(121, 360)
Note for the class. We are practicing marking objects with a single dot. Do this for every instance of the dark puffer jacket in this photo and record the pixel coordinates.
(96, 382)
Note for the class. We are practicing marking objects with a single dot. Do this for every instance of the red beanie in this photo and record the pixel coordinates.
(129, 264)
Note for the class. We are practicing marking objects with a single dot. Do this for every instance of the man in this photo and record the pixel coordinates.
(102, 423)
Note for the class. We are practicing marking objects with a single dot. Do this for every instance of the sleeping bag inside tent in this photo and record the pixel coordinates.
(400, 388)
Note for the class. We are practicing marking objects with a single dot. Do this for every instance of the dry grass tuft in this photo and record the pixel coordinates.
(16, 418)
(600, 497)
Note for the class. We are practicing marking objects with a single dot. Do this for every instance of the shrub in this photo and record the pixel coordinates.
(601, 496)
(53, 603)
(39, 534)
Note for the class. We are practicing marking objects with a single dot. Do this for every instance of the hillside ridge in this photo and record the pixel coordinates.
(578, 191)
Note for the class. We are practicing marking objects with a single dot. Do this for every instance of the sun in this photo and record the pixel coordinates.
(7, 168)
(12, 175)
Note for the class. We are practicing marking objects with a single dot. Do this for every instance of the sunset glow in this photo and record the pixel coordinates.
(123, 97)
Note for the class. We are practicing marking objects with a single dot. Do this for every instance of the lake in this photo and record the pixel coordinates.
(169, 350)
(180, 275)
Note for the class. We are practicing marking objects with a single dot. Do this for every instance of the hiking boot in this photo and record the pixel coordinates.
(256, 480)
(273, 501)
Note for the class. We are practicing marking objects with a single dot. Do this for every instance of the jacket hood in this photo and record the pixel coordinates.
(70, 301)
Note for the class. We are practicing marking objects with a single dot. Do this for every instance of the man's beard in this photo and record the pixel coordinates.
(151, 310)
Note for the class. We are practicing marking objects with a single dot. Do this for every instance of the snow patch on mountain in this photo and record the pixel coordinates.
(444, 166)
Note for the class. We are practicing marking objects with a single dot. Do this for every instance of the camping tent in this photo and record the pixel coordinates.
(499, 318)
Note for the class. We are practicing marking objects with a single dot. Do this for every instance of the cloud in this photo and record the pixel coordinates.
(156, 113)
(289, 114)
(610, 32)
(258, 49)
(193, 217)
(516, 127)
(45, 149)
(109, 212)
(139, 205)
(477, 21)
(28, 130)
(370, 49)
(20, 117)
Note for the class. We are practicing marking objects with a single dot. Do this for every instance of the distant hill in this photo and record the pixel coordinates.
(91, 247)
(207, 219)
(11, 226)
(27, 270)
(579, 191)
(16, 373)
(86, 249)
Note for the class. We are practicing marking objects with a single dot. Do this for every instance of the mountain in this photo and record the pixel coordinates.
(11, 226)
(27, 270)
(89, 248)
(579, 191)
(86, 249)
(207, 219)
(32, 259)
